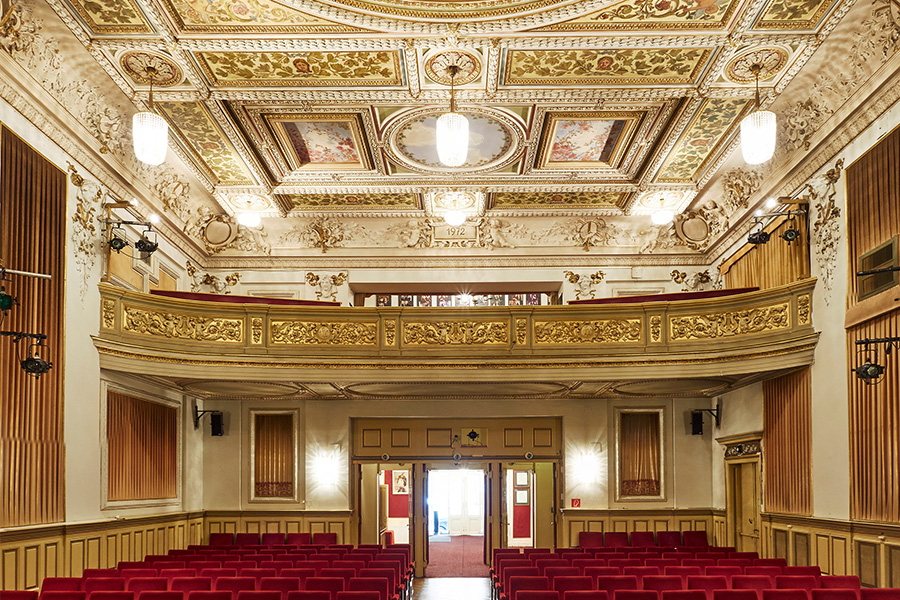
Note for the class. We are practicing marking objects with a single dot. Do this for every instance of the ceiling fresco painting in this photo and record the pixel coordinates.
(577, 110)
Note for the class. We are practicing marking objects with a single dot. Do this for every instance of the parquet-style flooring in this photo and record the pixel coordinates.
(452, 588)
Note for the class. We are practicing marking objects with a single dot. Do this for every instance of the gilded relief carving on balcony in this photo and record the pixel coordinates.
(390, 330)
(256, 330)
(655, 328)
(804, 309)
(730, 323)
(320, 333)
(109, 313)
(456, 333)
(595, 331)
(182, 327)
(521, 330)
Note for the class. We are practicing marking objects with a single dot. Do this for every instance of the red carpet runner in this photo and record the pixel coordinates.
(462, 556)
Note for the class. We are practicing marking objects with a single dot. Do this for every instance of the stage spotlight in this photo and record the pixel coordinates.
(33, 364)
(869, 372)
(6, 301)
(117, 242)
(758, 238)
(145, 245)
(791, 234)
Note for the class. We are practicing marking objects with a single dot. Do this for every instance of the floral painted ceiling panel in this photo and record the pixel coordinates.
(654, 14)
(793, 14)
(248, 16)
(112, 16)
(605, 67)
(545, 200)
(368, 202)
(293, 69)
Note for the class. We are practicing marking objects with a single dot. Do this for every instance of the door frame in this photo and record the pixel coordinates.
(731, 467)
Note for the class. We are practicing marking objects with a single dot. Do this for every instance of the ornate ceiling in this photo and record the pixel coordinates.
(580, 109)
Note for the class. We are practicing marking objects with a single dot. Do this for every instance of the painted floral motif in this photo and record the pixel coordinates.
(489, 140)
(660, 10)
(243, 15)
(640, 65)
(295, 69)
(792, 14)
(354, 201)
(111, 16)
(560, 199)
(710, 125)
(585, 141)
(322, 142)
(198, 128)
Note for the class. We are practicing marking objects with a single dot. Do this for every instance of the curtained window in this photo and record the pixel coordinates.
(142, 448)
(640, 454)
(273, 451)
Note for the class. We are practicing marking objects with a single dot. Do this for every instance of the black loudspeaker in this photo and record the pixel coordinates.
(217, 423)
(697, 423)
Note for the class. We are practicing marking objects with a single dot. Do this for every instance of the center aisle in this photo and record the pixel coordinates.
(456, 556)
(452, 588)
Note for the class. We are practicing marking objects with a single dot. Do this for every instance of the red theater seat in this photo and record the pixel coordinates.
(615, 539)
(642, 539)
(735, 595)
(103, 584)
(572, 582)
(159, 595)
(707, 583)
(325, 539)
(845, 582)
(380, 585)
(661, 583)
(234, 584)
(272, 539)
(110, 595)
(695, 539)
(785, 595)
(309, 595)
(635, 595)
(221, 539)
(880, 593)
(612, 583)
(796, 582)
(726, 572)
(586, 595)
(190, 584)
(590, 539)
(668, 539)
(538, 595)
(327, 584)
(63, 595)
(87, 573)
(834, 594)
(259, 595)
(150, 584)
(19, 594)
(813, 571)
(683, 595)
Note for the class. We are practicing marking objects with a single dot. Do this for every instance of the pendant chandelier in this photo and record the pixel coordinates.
(452, 131)
(150, 132)
(758, 130)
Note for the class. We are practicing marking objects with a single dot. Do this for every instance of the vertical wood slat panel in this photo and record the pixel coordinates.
(274, 455)
(873, 209)
(142, 448)
(787, 439)
(875, 427)
(772, 264)
(32, 238)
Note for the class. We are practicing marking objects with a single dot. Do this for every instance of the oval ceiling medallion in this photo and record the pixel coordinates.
(246, 201)
(456, 11)
(135, 63)
(771, 59)
(469, 67)
(672, 387)
(661, 199)
(495, 140)
(219, 231)
(241, 389)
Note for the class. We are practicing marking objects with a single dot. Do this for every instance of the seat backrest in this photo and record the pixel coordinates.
(110, 595)
(735, 562)
(259, 595)
(635, 595)
(258, 573)
(100, 573)
(572, 582)
(583, 563)
(615, 539)
(642, 539)
(683, 572)
(698, 562)
(221, 539)
(62, 595)
(140, 584)
(173, 573)
(751, 582)
(297, 573)
(189, 584)
(662, 562)
(811, 570)
(879, 593)
(20, 595)
(735, 595)
(595, 572)
(537, 595)
(695, 539)
(770, 562)
(770, 572)
(338, 572)
(330, 584)
(204, 564)
(726, 572)
(623, 562)
(357, 595)
(793, 594)
(543, 563)
(105, 584)
(380, 585)
(662, 582)
(796, 582)
(281, 584)
(586, 595)
(309, 595)
(208, 595)
(616, 582)
(159, 595)
(707, 583)
(324, 538)
(668, 538)
(846, 582)
(835, 594)
(272, 539)
(748, 555)
(526, 582)
(234, 584)
(590, 539)
(552, 573)
(278, 565)
(298, 539)
(216, 573)
(683, 595)
(388, 574)
(519, 572)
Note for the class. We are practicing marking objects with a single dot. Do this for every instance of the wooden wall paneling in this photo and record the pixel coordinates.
(839, 558)
(660, 525)
(32, 566)
(317, 527)
(800, 549)
(11, 569)
(640, 525)
(787, 438)
(823, 553)
(620, 525)
(75, 556)
(53, 565)
(780, 543)
(32, 238)
(893, 562)
(338, 528)
(873, 213)
(867, 563)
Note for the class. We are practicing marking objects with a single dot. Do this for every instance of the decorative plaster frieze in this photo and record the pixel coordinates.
(584, 284)
(730, 323)
(326, 286)
(826, 225)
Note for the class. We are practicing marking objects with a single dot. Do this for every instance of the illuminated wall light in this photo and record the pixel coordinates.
(585, 467)
(326, 466)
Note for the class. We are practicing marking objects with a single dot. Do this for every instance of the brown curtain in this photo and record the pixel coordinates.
(32, 238)
(772, 264)
(875, 427)
(873, 209)
(274, 452)
(640, 454)
(787, 438)
(142, 442)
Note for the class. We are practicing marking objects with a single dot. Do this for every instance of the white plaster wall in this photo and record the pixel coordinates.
(741, 412)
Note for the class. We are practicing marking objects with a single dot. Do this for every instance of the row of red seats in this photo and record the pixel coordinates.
(617, 539)
(270, 539)
(867, 594)
(714, 552)
(355, 590)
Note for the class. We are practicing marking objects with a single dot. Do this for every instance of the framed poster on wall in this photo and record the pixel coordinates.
(400, 482)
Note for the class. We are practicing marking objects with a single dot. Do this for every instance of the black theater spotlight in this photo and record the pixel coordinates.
(758, 238)
(117, 239)
(145, 245)
(792, 233)
(31, 362)
(870, 371)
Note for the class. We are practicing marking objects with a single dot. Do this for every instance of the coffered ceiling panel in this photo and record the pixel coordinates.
(595, 139)
(793, 14)
(654, 14)
(301, 69)
(351, 201)
(112, 16)
(632, 66)
(545, 200)
(247, 16)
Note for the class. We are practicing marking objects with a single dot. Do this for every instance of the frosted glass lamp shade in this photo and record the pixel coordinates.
(452, 139)
(758, 136)
(151, 137)
(663, 216)
(454, 218)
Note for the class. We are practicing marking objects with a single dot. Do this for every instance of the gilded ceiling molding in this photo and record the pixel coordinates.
(493, 68)
(410, 56)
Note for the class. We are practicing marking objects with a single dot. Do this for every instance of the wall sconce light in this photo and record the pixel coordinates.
(326, 466)
(216, 420)
(586, 467)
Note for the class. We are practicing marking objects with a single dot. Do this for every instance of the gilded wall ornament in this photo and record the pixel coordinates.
(730, 323)
(521, 331)
(655, 328)
(695, 283)
(86, 237)
(108, 313)
(326, 286)
(738, 185)
(201, 281)
(390, 330)
(743, 449)
(455, 333)
(11, 22)
(178, 326)
(223, 232)
(826, 229)
(324, 333)
(584, 284)
(804, 309)
(256, 330)
(594, 331)
(468, 63)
